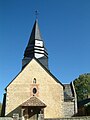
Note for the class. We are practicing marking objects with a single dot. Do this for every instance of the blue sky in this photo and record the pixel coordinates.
(65, 28)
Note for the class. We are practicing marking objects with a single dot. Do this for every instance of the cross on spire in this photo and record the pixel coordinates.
(36, 14)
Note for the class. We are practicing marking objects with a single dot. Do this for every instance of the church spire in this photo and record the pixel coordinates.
(35, 47)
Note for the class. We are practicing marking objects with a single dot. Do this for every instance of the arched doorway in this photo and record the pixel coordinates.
(33, 109)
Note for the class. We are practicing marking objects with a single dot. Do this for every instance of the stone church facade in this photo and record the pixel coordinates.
(35, 91)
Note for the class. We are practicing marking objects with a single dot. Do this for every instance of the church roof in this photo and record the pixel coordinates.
(35, 34)
(33, 102)
(68, 95)
(35, 47)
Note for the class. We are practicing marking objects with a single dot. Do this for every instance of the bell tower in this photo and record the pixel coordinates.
(35, 48)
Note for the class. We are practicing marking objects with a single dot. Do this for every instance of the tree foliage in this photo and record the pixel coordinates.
(82, 86)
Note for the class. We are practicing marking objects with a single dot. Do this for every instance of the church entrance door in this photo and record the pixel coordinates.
(33, 113)
(33, 109)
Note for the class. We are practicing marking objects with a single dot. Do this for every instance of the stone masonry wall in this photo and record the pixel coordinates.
(73, 118)
(6, 118)
(48, 90)
(68, 108)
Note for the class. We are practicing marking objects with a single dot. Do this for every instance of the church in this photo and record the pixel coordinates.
(35, 92)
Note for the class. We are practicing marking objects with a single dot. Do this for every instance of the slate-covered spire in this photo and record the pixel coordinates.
(35, 48)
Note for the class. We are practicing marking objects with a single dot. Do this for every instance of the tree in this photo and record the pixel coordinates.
(82, 86)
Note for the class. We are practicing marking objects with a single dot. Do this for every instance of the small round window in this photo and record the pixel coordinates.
(34, 90)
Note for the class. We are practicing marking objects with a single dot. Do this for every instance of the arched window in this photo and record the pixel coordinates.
(34, 80)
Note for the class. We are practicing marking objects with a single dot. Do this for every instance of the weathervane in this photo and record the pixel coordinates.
(36, 13)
